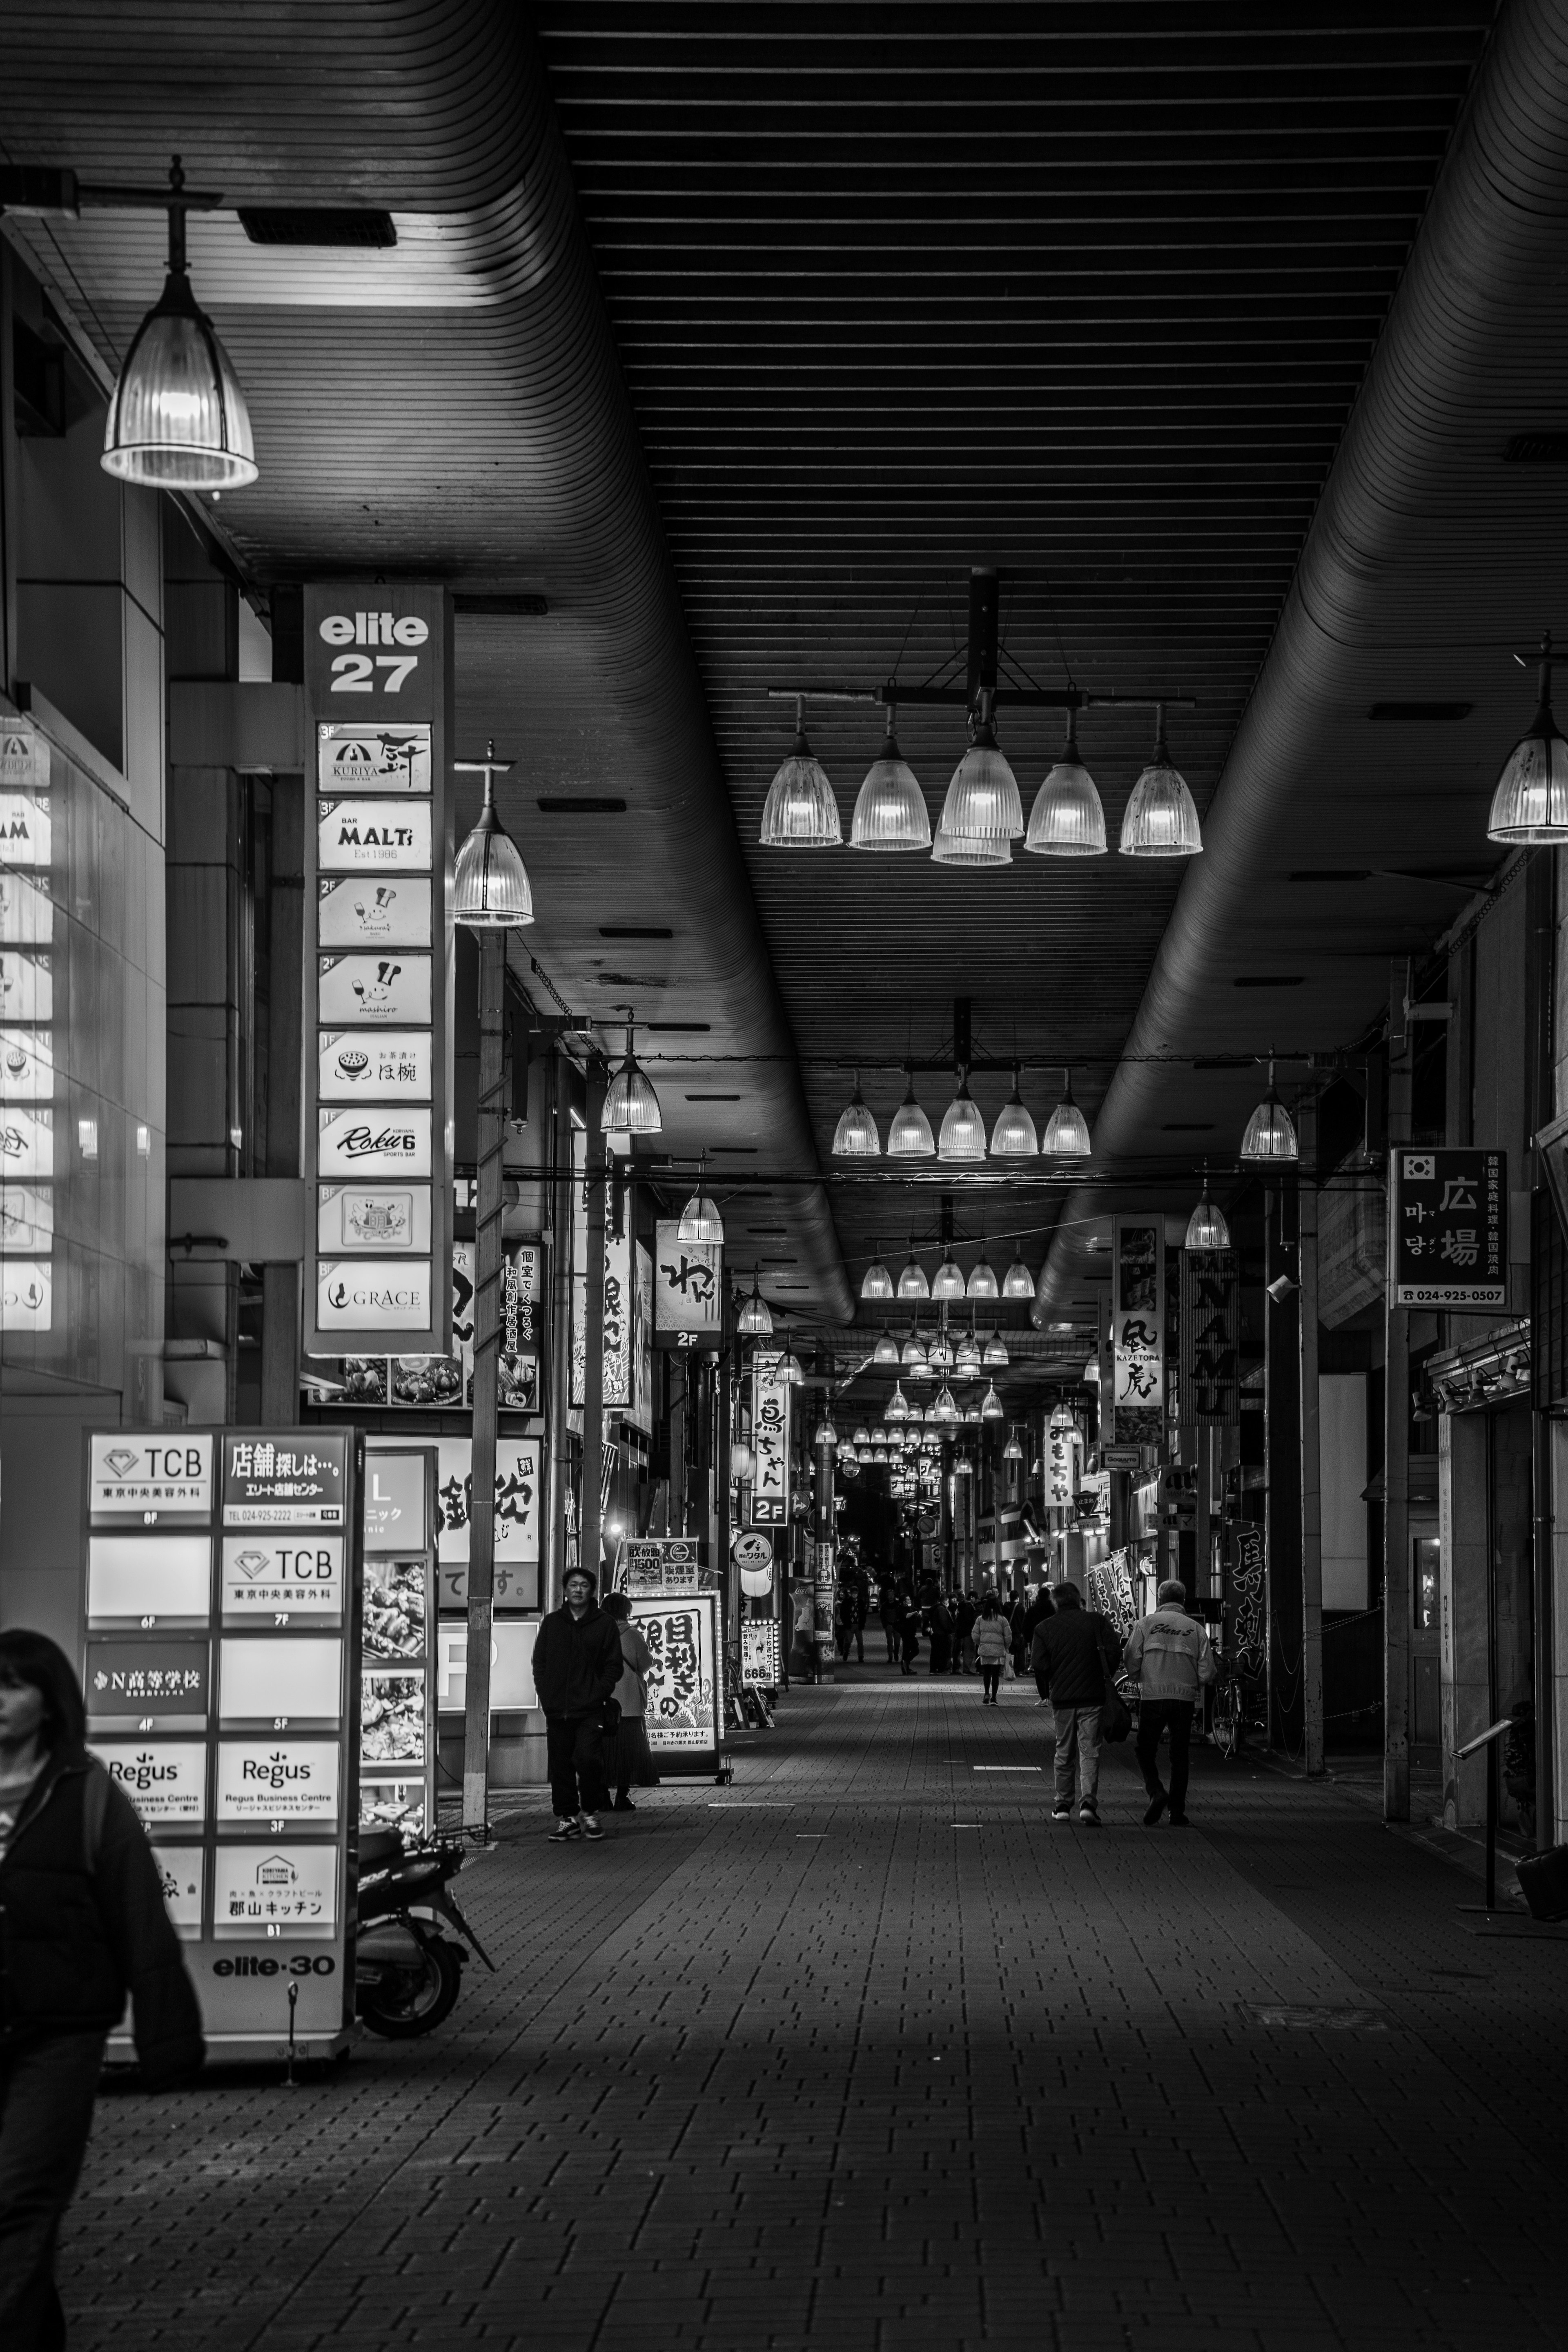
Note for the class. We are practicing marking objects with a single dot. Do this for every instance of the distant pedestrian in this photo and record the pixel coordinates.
(81, 1899)
(909, 1637)
(1041, 1608)
(965, 1613)
(577, 1663)
(887, 1611)
(1079, 1651)
(1017, 1623)
(992, 1637)
(941, 1636)
(1170, 1656)
(626, 1751)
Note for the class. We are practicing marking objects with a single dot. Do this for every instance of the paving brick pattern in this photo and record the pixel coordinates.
(863, 2052)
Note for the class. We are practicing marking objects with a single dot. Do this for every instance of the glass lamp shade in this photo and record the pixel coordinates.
(742, 1460)
(490, 890)
(990, 1405)
(970, 1414)
(995, 1358)
(913, 1283)
(875, 1282)
(790, 1369)
(982, 1279)
(970, 848)
(886, 1350)
(631, 1106)
(879, 1436)
(949, 1279)
(825, 1433)
(963, 1469)
(909, 1136)
(178, 419)
(1067, 1131)
(879, 1453)
(1206, 1227)
(1068, 819)
(967, 1359)
(963, 1133)
(1013, 1136)
(921, 1371)
(856, 1136)
(1061, 1418)
(891, 813)
(1091, 1372)
(897, 1404)
(755, 1319)
(982, 803)
(1530, 803)
(1271, 1134)
(849, 1456)
(1012, 1451)
(862, 1436)
(1161, 820)
(700, 1221)
(1018, 1282)
(799, 812)
(945, 1408)
(913, 1352)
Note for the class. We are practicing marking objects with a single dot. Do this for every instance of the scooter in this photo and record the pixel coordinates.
(407, 1974)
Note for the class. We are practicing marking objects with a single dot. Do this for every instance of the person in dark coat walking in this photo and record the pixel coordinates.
(81, 1906)
(1041, 1609)
(1078, 1651)
(577, 1663)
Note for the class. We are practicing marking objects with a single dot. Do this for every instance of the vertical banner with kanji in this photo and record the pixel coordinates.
(1448, 1228)
(1211, 1365)
(770, 1442)
(684, 1683)
(1137, 1329)
(687, 1289)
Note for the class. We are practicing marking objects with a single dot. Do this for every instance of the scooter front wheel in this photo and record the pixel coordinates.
(414, 2001)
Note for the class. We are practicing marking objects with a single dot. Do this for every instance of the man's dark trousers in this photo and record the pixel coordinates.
(1153, 1714)
(574, 1748)
(47, 2082)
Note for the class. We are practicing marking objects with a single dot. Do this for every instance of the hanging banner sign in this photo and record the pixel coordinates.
(377, 691)
(1211, 1359)
(1448, 1228)
(687, 1289)
(1137, 1329)
(770, 1442)
(1062, 1458)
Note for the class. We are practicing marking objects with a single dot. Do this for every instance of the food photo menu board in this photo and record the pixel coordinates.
(378, 674)
(397, 1682)
(222, 1650)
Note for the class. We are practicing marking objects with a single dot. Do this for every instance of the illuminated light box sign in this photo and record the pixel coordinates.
(165, 1780)
(687, 1289)
(1137, 1329)
(299, 1478)
(394, 1506)
(516, 1521)
(659, 1564)
(371, 837)
(770, 1442)
(685, 1685)
(760, 1668)
(378, 693)
(1448, 1228)
(27, 912)
(397, 1676)
(272, 1781)
(26, 1294)
(26, 1065)
(27, 1141)
(280, 1682)
(26, 986)
(146, 1684)
(131, 1582)
(282, 1577)
(511, 1664)
(373, 758)
(364, 914)
(353, 1068)
(163, 1482)
(24, 829)
(26, 1219)
(290, 1889)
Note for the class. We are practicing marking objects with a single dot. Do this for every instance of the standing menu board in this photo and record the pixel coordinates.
(397, 1680)
(685, 1682)
(378, 971)
(222, 1651)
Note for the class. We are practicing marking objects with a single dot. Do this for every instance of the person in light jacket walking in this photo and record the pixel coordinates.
(1170, 1657)
(993, 1638)
(1078, 1652)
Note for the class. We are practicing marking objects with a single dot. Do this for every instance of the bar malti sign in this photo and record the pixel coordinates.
(378, 691)
(1448, 1228)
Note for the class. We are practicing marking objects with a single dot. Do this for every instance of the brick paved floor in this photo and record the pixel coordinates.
(863, 2052)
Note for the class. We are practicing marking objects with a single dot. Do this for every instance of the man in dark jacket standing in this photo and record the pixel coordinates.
(576, 1665)
(1076, 1650)
(82, 1924)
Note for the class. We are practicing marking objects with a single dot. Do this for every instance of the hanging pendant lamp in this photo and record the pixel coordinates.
(963, 1134)
(799, 812)
(790, 1368)
(1061, 1417)
(913, 1283)
(631, 1106)
(1068, 819)
(898, 1406)
(982, 1281)
(939, 1355)
(913, 1351)
(995, 1358)
(891, 813)
(1018, 1282)
(1530, 803)
(862, 1436)
(991, 1407)
(1013, 1136)
(177, 419)
(1206, 1227)
(909, 1136)
(1012, 1451)
(945, 1408)
(490, 889)
(968, 849)
(948, 1280)
(1270, 1135)
(755, 1320)
(1066, 1129)
(983, 802)
(967, 1360)
(1161, 819)
(877, 1282)
(700, 1220)
(856, 1136)
(886, 1350)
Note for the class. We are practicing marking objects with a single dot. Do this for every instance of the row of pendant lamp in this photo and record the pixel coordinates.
(982, 814)
(968, 1358)
(963, 1133)
(949, 1283)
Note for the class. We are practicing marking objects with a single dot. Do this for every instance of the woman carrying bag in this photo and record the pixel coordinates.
(628, 1757)
(993, 1638)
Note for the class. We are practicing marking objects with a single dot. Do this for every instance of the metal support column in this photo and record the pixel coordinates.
(823, 1564)
(285, 1079)
(589, 1550)
(487, 1341)
(560, 1230)
(1397, 1460)
(1311, 1456)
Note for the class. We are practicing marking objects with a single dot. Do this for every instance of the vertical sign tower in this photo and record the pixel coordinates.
(378, 993)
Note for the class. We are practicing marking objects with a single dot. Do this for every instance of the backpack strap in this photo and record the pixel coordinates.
(94, 1806)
